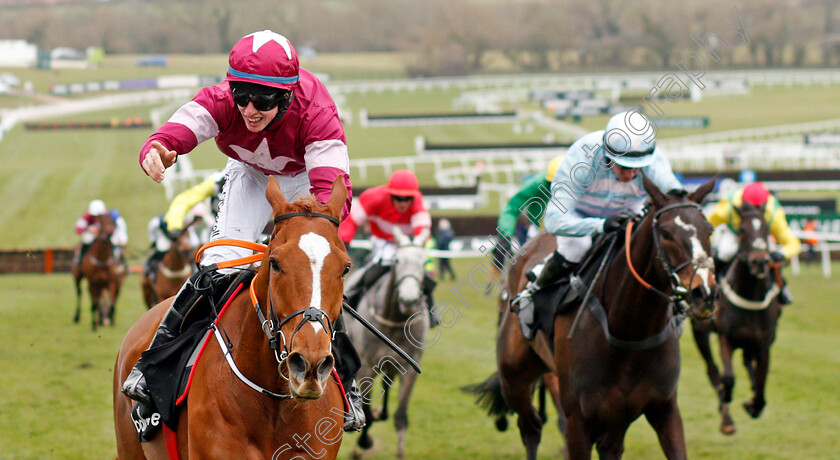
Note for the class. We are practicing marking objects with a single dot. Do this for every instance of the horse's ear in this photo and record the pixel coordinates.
(275, 197)
(420, 239)
(700, 193)
(400, 237)
(338, 196)
(658, 198)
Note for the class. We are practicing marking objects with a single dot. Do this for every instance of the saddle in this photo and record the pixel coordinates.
(566, 293)
(168, 368)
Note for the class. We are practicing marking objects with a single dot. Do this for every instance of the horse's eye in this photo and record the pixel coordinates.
(346, 270)
(667, 235)
(274, 266)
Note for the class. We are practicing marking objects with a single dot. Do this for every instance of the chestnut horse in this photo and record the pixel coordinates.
(298, 408)
(616, 352)
(172, 272)
(746, 317)
(104, 275)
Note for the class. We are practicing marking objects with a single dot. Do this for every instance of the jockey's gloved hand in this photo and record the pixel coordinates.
(778, 256)
(615, 222)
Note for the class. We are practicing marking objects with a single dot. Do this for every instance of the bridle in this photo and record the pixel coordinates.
(272, 326)
(680, 294)
(391, 297)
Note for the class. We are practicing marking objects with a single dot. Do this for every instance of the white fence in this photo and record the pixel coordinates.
(591, 81)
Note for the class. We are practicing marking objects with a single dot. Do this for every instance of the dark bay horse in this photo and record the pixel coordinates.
(172, 272)
(616, 355)
(746, 317)
(395, 304)
(104, 275)
(300, 411)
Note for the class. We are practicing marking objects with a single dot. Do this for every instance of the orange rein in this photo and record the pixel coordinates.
(258, 248)
(627, 233)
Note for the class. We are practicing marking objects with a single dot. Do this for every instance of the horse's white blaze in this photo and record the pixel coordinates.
(759, 244)
(316, 248)
(697, 251)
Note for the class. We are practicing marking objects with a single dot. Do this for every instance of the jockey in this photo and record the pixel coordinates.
(271, 118)
(530, 200)
(399, 203)
(726, 220)
(595, 190)
(187, 208)
(88, 227)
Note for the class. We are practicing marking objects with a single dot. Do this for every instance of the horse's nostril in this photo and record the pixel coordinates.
(297, 365)
(700, 292)
(326, 367)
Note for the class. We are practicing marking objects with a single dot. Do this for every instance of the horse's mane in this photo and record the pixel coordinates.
(307, 204)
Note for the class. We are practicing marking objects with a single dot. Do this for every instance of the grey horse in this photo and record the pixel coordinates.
(395, 305)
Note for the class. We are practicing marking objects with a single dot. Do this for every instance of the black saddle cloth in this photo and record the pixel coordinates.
(167, 367)
(565, 294)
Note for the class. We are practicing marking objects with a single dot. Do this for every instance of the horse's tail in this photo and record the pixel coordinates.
(489, 395)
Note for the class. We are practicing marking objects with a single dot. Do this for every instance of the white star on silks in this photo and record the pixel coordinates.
(264, 36)
(261, 157)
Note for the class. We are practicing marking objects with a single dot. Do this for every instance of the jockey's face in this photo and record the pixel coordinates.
(402, 203)
(256, 120)
(624, 174)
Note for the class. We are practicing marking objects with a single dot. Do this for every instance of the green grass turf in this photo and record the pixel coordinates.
(56, 381)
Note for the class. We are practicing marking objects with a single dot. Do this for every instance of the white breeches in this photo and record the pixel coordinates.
(244, 211)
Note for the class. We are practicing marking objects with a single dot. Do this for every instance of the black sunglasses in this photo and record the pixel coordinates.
(402, 199)
(262, 101)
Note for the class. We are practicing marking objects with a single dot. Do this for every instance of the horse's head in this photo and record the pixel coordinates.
(681, 236)
(753, 239)
(409, 270)
(302, 279)
(107, 226)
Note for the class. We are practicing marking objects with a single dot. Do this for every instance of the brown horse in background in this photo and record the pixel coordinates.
(616, 353)
(172, 272)
(103, 273)
(746, 317)
(300, 410)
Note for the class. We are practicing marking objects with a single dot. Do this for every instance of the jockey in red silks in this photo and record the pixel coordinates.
(397, 204)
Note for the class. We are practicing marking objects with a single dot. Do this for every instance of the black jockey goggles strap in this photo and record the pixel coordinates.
(306, 214)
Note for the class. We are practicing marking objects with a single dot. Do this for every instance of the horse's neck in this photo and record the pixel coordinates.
(101, 248)
(251, 351)
(634, 311)
(744, 283)
(173, 258)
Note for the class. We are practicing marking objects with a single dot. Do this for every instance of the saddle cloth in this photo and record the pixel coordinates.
(169, 368)
(565, 294)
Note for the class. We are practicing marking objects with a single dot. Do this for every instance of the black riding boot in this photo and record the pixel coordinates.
(205, 281)
(150, 269)
(347, 364)
(552, 269)
(372, 273)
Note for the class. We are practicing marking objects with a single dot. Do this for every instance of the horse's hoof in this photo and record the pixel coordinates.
(753, 409)
(365, 442)
(501, 423)
(728, 429)
(357, 455)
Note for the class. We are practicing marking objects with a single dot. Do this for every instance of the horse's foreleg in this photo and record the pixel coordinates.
(667, 423)
(759, 379)
(401, 415)
(727, 425)
(381, 413)
(578, 443)
(78, 315)
(701, 333)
